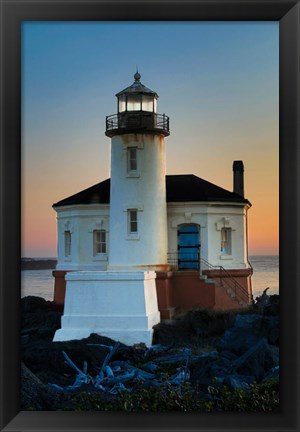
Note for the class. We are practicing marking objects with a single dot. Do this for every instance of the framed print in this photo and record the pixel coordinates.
(157, 35)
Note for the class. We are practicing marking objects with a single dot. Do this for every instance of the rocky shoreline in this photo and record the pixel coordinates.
(200, 361)
(38, 264)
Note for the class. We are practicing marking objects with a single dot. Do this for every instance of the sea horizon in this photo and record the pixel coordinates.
(55, 258)
(40, 282)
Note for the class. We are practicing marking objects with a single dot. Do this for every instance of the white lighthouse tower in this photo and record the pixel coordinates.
(138, 212)
(121, 303)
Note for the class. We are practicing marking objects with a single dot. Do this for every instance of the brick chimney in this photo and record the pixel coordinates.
(238, 177)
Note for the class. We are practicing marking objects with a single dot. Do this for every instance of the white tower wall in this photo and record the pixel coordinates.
(143, 190)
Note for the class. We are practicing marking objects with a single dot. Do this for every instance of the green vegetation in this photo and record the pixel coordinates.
(260, 398)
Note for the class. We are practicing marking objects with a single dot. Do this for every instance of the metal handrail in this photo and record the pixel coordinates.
(115, 121)
(251, 268)
(240, 293)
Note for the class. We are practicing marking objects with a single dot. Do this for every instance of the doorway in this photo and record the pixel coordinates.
(188, 247)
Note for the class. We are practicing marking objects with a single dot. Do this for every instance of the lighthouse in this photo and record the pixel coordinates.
(121, 302)
(138, 211)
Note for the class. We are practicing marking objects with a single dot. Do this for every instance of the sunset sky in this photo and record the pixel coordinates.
(218, 83)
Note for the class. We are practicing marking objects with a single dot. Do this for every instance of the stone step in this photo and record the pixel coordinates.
(209, 281)
(228, 291)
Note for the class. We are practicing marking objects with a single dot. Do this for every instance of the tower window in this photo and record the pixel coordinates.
(226, 241)
(132, 221)
(99, 241)
(67, 243)
(132, 159)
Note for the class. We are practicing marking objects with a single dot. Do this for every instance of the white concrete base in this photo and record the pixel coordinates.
(121, 305)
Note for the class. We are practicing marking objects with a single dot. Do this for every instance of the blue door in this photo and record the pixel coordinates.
(188, 247)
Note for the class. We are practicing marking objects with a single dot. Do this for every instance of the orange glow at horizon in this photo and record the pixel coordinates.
(219, 84)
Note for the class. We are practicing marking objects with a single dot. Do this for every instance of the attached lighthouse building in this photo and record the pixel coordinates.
(185, 234)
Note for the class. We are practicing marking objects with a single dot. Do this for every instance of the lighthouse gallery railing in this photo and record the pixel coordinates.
(137, 119)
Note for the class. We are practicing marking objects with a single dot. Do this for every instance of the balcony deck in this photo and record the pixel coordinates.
(137, 122)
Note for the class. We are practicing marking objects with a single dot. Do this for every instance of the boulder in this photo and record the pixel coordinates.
(229, 355)
(207, 368)
(273, 336)
(207, 323)
(33, 303)
(247, 330)
(241, 382)
(257, 360)
(271, 309)
(38, 320)
(271, 374)
(46, 361)
(36, 396)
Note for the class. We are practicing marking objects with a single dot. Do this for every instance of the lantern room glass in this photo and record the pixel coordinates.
(137, 102)
(122, 103)
(134, 103)
(147, 103)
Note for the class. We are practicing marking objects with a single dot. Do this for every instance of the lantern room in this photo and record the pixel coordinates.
(137, 97)
(137, 112)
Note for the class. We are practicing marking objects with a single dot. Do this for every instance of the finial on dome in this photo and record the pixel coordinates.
(137, 76)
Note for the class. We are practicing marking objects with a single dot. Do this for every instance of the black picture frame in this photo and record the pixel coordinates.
(13, 12)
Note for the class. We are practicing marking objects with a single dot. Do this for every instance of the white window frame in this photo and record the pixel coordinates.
(226, 241)
(99, 242)
(132, 219)
(132, 159)
(67, 243)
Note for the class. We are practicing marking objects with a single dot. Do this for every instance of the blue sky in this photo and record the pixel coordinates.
(217, 81)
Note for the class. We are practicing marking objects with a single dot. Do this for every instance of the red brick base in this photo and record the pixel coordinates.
(59, 289)
(181, 290)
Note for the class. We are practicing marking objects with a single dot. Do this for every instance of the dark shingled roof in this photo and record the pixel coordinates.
(137, 88)
(180, 188)
(97, 194)
(188, 187)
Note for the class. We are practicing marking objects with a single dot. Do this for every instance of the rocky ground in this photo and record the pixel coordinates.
(202, 360)
(38, 264)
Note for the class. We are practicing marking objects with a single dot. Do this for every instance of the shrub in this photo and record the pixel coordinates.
(260, 398)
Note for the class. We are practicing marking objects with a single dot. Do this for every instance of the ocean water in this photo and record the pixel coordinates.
(38, 283)
(266, 274)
